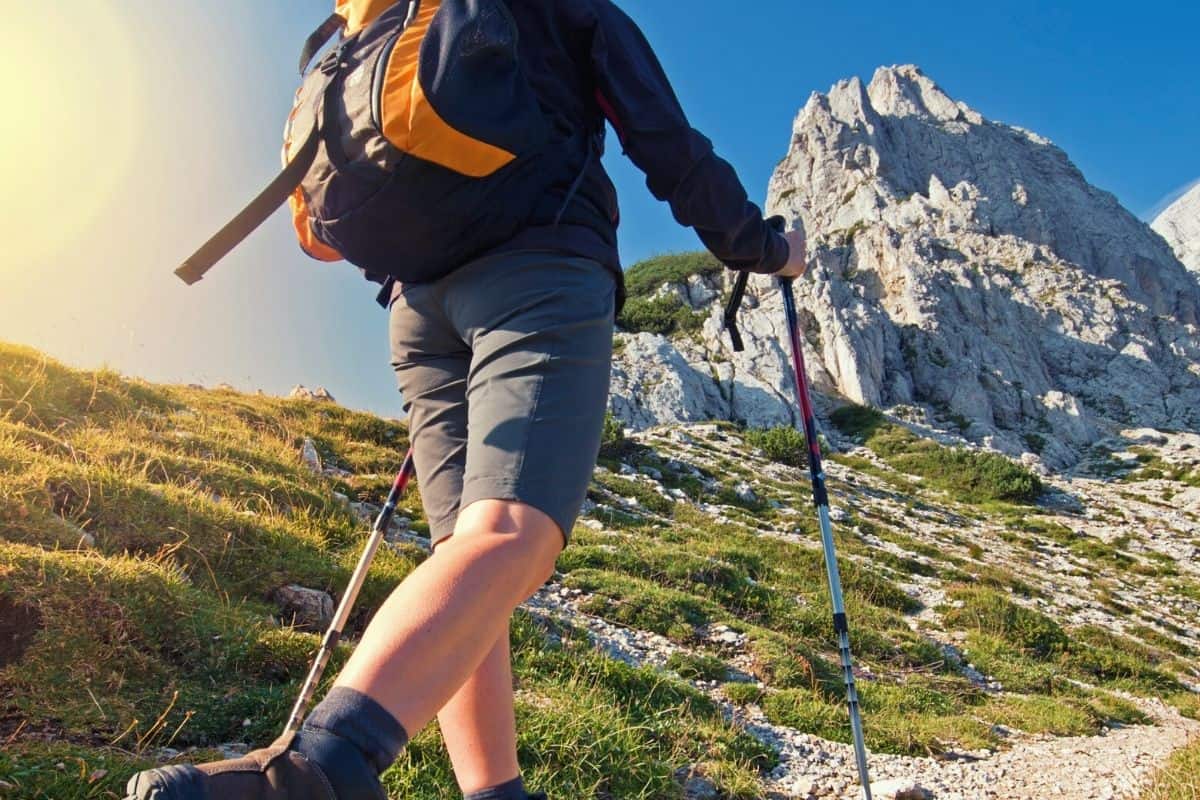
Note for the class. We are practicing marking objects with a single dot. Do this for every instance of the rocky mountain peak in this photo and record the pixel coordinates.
(859, 151)
(964, 272)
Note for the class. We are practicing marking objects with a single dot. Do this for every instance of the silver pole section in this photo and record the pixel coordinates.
(821, 500)
(334, 634)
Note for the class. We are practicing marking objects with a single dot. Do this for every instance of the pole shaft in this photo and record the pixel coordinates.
(334, 634)
(821, 500)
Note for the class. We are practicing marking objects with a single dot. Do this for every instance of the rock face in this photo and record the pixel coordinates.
(1179, 224)
(963, 269)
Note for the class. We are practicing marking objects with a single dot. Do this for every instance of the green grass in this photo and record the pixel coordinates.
(199, 507)
(1179, 779)
(967, 475)
(697, 666)
(666, 316)
(1029, 652)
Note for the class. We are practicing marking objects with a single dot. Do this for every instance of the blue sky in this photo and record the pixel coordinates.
(158, 126)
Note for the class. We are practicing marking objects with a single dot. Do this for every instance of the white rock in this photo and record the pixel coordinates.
(900, 789)
(310, 456)
(301, 392)
(1179, 224)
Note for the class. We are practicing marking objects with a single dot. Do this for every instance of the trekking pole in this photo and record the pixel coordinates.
(343, 610)
(821, 499)
(820, 493)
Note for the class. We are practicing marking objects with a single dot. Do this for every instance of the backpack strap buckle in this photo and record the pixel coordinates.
(317, 39)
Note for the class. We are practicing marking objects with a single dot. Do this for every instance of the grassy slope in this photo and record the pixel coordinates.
(199, 507)
(162, 634)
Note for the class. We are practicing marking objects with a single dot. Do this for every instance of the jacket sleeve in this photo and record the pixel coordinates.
(680, 166)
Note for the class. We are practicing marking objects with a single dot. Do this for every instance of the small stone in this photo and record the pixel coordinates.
(803, 788)
(84, 539)
(166, 753)
(231, 750)
(309, 455)
(365, 512)
(900, 789)
(696, 786)
(307, 609)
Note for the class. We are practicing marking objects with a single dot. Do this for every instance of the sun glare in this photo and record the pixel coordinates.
(70, 79)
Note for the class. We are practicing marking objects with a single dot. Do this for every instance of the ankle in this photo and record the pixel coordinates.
(361, 721)
(509, 790)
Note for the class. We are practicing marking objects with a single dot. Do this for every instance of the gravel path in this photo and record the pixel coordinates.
(1111, 766)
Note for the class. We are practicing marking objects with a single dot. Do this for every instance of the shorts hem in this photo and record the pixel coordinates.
(485, 488)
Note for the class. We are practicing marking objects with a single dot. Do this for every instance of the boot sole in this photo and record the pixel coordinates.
(178, 782)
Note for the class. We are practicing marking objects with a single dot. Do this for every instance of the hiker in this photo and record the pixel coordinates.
(503, 364)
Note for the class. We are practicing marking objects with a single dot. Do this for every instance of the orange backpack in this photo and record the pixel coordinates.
(413, 144)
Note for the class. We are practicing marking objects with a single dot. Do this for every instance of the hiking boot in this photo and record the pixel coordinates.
(272, 773)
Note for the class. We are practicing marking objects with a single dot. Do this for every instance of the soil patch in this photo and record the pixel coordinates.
(19, 623)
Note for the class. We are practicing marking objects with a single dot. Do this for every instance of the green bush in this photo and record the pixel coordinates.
(646, 276)
(782, 443)
(970, 475)
(855, 420)
(613, 443)
(665, 315)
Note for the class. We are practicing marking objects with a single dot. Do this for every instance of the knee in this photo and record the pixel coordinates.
(529, 537)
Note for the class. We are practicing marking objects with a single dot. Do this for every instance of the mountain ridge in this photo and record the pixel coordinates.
(963, 273)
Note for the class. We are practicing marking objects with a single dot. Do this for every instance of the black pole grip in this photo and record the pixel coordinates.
(731, 310)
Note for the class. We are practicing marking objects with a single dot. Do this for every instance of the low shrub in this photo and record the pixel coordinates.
(970, 475)
(783, 444)
(665, 315)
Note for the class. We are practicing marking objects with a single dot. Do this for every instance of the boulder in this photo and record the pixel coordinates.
(306, 609)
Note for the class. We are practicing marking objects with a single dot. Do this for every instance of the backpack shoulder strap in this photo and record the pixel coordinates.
(317, 39)
(256, 213)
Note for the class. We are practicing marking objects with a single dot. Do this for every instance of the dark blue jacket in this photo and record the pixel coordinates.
(589, 63)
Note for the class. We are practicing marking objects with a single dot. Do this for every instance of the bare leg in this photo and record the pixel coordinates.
(478, 724)
(435, 629)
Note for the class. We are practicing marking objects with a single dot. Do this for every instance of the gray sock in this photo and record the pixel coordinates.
(361, 721)
(512, 790)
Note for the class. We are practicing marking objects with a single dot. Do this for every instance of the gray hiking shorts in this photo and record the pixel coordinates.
(504, 368)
